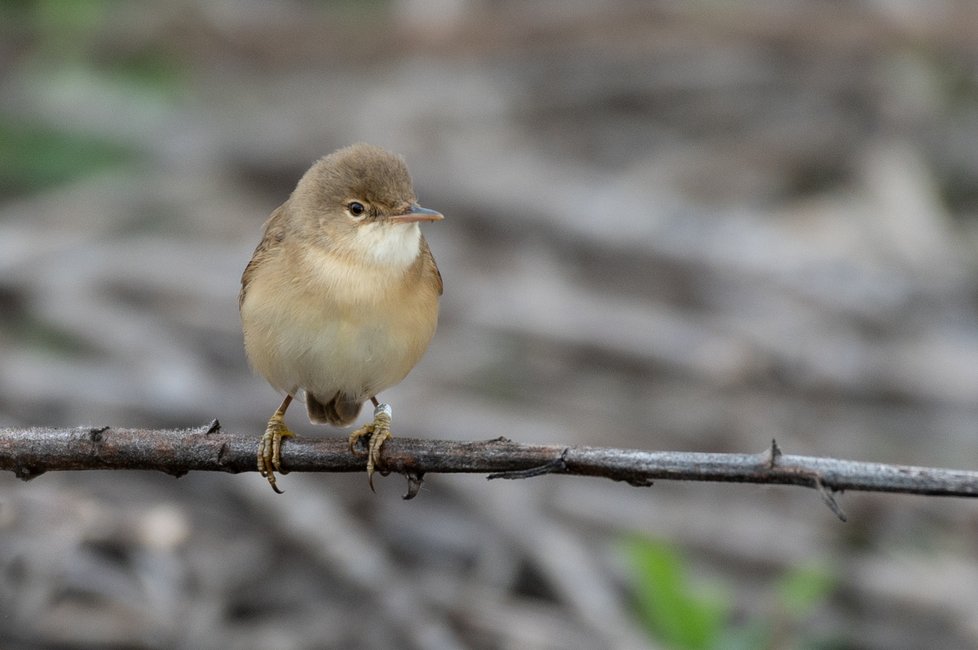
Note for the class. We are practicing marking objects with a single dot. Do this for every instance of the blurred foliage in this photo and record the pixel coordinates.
(20, 323)
(35, 157)
(668, 604)
(57, 30)
(78, 34)
(56, 15)
(63, 45)
(802, 589)
(685, 616)
(149, 70)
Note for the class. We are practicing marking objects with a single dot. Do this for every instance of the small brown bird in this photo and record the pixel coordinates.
(340, 298)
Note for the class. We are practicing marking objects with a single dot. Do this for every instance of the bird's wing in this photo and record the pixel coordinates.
(428, 257)
(270, 241)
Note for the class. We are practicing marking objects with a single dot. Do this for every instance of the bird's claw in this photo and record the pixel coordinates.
(270, 449)
(377, 433)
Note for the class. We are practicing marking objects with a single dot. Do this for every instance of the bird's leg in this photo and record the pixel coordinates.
(270, 447)
(377, 432)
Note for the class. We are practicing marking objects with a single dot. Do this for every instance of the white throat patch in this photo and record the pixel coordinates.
(393, 245)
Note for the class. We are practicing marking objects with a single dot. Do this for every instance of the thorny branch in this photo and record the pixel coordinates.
(31, 452)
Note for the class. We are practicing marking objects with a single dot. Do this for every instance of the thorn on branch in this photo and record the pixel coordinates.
(640, 482)
(222, 454)
(27, 473)
(556, 466)
(829, 499)
(213, 427)
(771, 455)
(414, 479)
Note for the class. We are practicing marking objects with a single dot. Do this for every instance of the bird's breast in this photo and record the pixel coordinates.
(340, 325)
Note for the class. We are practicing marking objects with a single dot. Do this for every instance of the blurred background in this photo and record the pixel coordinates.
(677, 226)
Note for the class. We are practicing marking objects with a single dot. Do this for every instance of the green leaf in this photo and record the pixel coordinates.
(803, 588)
(672, 610)
(35, 157)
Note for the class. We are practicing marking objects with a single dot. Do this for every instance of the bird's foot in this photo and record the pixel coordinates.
(377, 433)
(270, 449)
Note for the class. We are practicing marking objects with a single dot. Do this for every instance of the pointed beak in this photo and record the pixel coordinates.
(416, 213)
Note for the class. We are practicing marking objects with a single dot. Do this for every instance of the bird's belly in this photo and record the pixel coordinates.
(327, 348)
(358, 359)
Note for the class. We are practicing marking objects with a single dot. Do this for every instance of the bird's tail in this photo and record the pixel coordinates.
(339, 410)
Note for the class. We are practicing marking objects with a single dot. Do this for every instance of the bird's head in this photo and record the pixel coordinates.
(360, 201)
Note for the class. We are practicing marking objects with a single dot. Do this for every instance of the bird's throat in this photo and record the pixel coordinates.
(395, 246)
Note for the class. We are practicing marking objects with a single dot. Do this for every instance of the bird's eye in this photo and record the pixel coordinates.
(356, 209)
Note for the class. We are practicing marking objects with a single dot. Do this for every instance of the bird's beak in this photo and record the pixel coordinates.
(416, 213)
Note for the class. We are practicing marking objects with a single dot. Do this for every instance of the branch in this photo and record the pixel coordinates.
(31, 452)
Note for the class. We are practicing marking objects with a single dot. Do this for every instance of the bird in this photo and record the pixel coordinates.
(340, 299)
